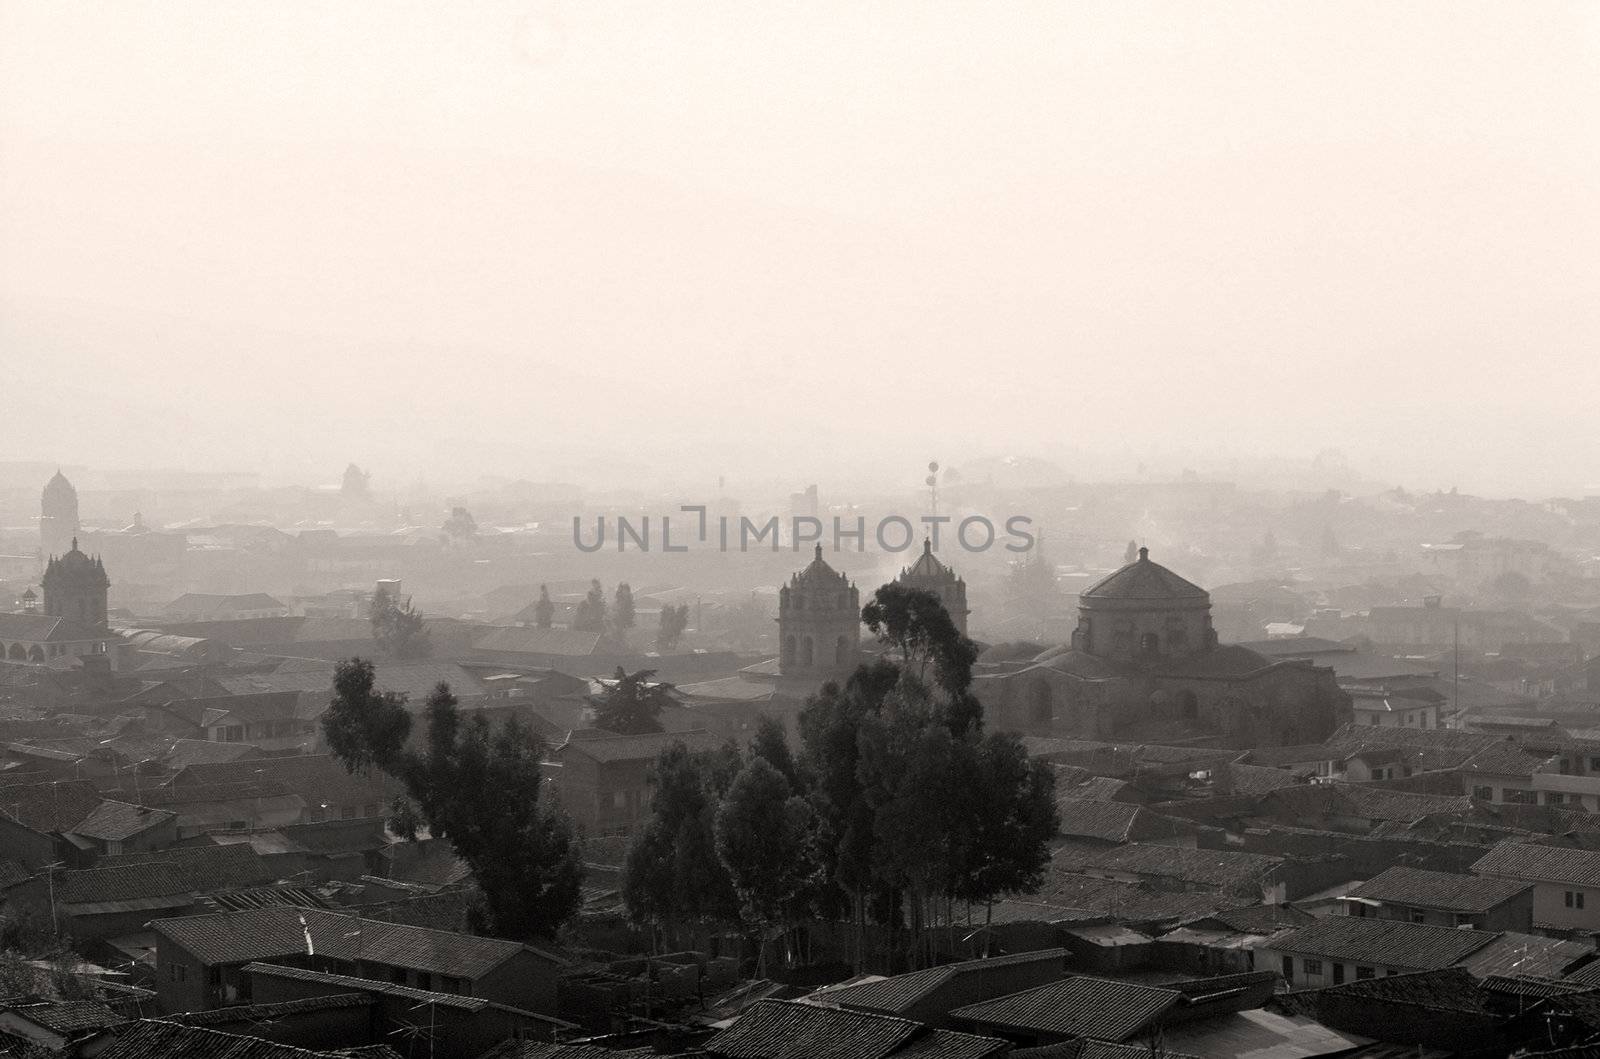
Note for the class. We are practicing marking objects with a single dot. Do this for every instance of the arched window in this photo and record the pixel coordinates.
(1150, 644)
(841, 651)
(787, 657)
(35, 654)
(17, 653)
(808, 652)
(1188, 706)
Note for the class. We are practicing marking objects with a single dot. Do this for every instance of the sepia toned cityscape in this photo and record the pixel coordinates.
(552, 530)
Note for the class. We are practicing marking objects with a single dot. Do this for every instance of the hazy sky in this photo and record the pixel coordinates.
(811, 239)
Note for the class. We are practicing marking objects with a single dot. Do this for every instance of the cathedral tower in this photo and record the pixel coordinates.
(75, 588)
(930, 575)
(819, 623)
(58, 517)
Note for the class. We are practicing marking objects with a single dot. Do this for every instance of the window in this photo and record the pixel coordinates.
(1516, 797)
(1288, 969)
(234, 825)
(1594, 764)
(177, 972)
(1483, 794)
(1574, 899)
(1313, 967)
(1338, 974)
(1418, 916)
(1364, 972)
(347, 813)
(1554, 798)
(619, 799)
(370, 809)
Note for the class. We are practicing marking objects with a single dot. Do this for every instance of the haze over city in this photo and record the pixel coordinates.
(559, 529)
(618, 242)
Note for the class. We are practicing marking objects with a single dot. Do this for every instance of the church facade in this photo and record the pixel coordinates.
(1144, 665)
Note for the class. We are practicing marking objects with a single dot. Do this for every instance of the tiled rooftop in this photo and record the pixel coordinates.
(898, 994)
(1384, 942)
(1438, 889)
(278, 931)
(784, 1029)
(1097, 1008)
(1535, 863)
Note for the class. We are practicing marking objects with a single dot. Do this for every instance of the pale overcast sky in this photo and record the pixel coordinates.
(684, 239)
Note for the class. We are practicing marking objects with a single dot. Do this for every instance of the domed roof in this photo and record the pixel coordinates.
(1011, 651)
(75, 565)
(1143, 580)
(1079, 664)
(927, 569)
(818, 573)
(58, 485)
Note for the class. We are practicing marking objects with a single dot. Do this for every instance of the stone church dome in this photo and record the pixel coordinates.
(1143, 580)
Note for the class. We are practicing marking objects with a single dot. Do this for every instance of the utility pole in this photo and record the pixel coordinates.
(1455, 705)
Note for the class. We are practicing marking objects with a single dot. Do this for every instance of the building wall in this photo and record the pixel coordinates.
(527, 981)
(1515, 914)
(25, 845)
(181, 979)
(197, 817)
(1550, 907)
(1421, 717)
(448, 1033)
(1128, 634)
(1283, 705)
(1324, 972)
(604, 797)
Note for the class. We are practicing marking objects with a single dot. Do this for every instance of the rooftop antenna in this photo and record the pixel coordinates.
(932, 482)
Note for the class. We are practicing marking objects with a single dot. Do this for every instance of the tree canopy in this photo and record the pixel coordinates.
(631, 703)
(896, 801)
(399, 629)
(670, 626)
(475, 785)
(590, 615)
(623, 616)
